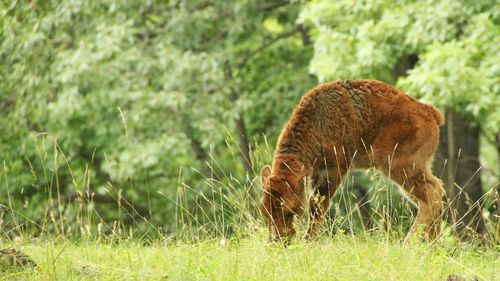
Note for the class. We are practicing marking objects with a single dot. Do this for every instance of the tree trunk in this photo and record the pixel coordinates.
(495, 210)
(243, 143)
(239, 121)
(457, 161)
(200, 153)
(497, 143)
(404, 64)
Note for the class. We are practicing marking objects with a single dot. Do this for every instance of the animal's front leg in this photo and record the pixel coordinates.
(319, 204)
(325, 184)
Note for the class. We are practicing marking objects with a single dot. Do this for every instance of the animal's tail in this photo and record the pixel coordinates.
(438, 116)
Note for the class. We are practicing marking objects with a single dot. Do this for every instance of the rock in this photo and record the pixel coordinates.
(10, 259)
(87, 270)
(454, 277)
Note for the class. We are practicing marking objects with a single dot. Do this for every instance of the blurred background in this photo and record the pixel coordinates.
(150, 117)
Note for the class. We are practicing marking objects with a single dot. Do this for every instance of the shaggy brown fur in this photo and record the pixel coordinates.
(352, 124)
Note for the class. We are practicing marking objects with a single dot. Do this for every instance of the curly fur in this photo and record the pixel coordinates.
(346, 125)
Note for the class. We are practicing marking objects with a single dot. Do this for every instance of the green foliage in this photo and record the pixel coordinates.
(110, 97)
(463, 74)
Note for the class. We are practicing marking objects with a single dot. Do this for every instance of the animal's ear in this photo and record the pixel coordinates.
(265, 172)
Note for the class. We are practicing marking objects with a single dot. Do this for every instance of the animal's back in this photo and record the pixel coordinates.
(349, 114)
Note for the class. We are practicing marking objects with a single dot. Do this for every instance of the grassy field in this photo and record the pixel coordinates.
(82, 248)
(338, 258)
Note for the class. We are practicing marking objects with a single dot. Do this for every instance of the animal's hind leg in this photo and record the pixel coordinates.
(426, 191)
(404, 151)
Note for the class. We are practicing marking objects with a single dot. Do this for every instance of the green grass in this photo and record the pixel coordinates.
(80, 245)
(334, 258)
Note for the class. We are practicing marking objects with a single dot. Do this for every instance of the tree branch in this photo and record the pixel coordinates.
(304, 32)
(274, 5)
(200, 153)
(243, 143)
(268, 44)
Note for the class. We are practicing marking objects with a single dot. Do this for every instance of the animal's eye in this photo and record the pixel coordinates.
(275, 193)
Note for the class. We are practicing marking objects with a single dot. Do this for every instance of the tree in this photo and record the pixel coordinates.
(121, 101)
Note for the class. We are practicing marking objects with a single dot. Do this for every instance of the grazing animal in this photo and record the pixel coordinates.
(353, 124)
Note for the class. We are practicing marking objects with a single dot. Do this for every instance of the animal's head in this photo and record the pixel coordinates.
(282, 199)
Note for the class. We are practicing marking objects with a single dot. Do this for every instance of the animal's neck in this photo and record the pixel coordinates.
(299, 137)
(287, 164)
(303, 153)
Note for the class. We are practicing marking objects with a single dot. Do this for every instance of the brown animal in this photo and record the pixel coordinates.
(352, 124)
